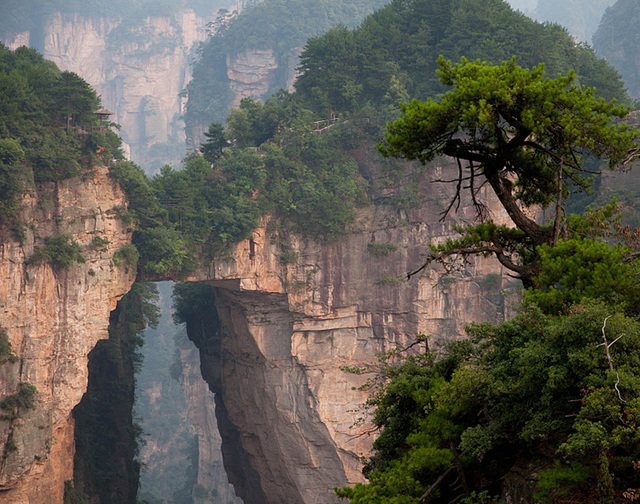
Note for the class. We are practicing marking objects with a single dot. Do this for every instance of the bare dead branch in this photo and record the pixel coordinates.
(456, 199)
(499, 252)
(367, 432)
(607, 346)
(424, 498)
(559, 204)
(481, 208)
(631, 156)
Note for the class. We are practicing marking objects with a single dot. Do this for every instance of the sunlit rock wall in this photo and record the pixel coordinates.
(53, 318)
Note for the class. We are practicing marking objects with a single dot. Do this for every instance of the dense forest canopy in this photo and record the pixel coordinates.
(360, 75)
(280, 25)
(49, 129)
(399, 44)
(398, 47)
(618, 41)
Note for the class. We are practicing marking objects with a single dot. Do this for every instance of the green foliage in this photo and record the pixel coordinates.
(389, 280)
(23, 399)
(273, 163)
(559, 481)
(362, 74)
(536, 391)
(281, 25)
(48, 127)
(381, 249)
(164, 252)
(312, 185)
(618, 41)
(286, 255)
(99, 243)
(524, 133)
(393, 54)
(162, 248)
(128, 253)
(215, 143)
(6, 352)
(517, 120)
(12, 183)
(575, 269)
(58, 251)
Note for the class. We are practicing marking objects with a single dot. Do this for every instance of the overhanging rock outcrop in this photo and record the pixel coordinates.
(296, 314)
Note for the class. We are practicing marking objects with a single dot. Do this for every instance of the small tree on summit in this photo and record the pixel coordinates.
(522, 133)
(215, 143)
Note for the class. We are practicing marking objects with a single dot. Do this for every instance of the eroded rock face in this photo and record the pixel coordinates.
(53, 318)
(289, 331)
(252, 73)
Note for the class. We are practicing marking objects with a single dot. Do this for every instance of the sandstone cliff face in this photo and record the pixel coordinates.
(289, 330)
(253, 73)
(139, 69)
(53, 318)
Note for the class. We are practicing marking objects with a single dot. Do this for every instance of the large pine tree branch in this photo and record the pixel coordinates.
(504, 191)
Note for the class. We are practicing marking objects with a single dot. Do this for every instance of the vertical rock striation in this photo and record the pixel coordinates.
(140, 70)
(253, 73)
(53, 318)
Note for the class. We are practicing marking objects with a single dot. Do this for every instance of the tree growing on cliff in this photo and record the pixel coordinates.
(212, 148)
(523, 134)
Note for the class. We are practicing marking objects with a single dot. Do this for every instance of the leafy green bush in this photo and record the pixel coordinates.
(389, 280)
(381, 249)
(58, 251)
(537, 391)
(6, 352)
(287, 255)
(99, 243)
(12, 178)
(578, 268)
(23, 399)
(162, 248)
(560, 481)
(129, 254)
